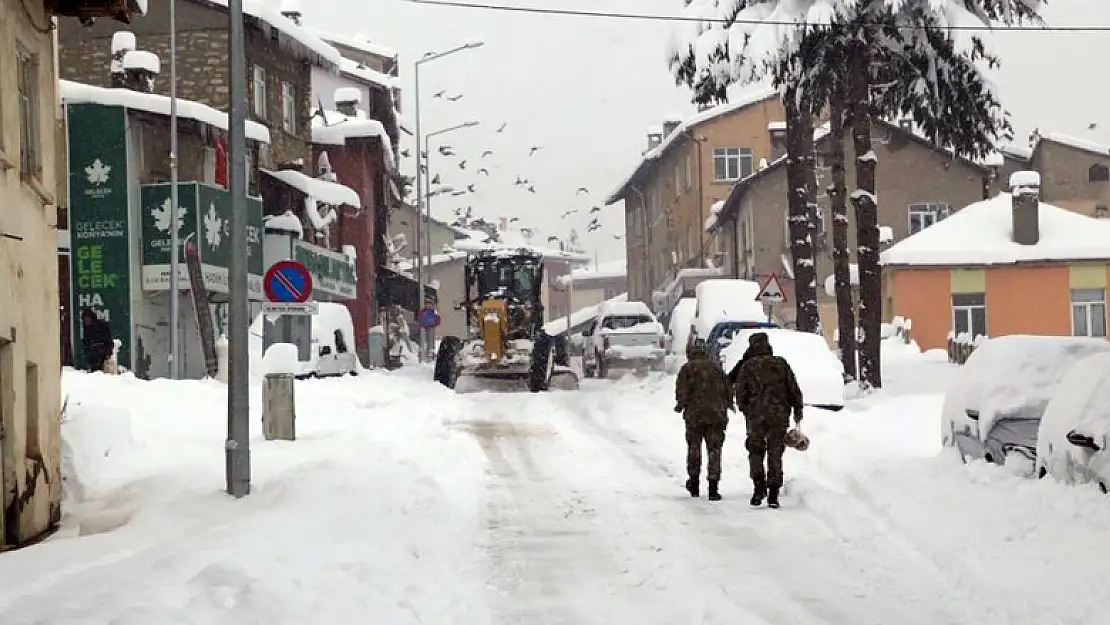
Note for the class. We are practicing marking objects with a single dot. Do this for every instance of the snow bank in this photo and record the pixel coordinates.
(73, 92)
(287, 222)
(682, 317)
(981, 234)
(820, 374)
(726, 300)
(1008, 373)
(375, 513)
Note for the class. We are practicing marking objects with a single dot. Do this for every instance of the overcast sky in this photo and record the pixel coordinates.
(587, 89)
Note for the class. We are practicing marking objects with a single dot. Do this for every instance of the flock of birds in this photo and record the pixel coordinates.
(478, 174)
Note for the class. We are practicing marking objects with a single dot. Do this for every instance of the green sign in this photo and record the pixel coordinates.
(332, 272)
(255, 266)
(156, 216)
(99, 226)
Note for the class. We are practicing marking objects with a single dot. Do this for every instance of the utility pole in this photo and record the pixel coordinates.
(419, 213)
(175, 210)
(237, 448)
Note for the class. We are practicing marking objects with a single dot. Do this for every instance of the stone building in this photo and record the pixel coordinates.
(1075, 171)
(280, 57)
(30, 371)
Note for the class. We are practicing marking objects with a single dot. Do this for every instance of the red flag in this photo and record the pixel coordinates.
(221, 163)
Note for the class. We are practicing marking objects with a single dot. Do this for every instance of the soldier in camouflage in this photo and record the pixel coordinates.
(766, 392)
(703, 395)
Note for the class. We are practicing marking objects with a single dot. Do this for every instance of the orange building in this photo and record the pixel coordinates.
(1007, 265)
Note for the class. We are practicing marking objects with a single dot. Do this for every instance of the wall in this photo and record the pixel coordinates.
(324, 84)
(1064, 177)
(451, 292)
(30, 367)
(402, 220)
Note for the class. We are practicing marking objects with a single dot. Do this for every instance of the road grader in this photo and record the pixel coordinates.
(506, 347)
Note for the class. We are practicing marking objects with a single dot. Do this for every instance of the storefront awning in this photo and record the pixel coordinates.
(396, 289)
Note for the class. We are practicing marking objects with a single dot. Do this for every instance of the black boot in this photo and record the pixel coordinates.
(758, 495)
(714, 494)
(692, 487)
(773, 498)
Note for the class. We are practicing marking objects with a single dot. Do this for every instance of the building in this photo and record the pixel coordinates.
(404, 222)
(688, 167)
(366, 66)
(1008, 265)
(1075, 172)
(589, 286)
(280, 55)
(918, 185)
(115, 244)
(30, 163)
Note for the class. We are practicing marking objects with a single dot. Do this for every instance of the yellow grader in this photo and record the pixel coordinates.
(506, 347)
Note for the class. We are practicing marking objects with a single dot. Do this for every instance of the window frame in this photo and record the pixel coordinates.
(29, 109)
(259, 91)
(1096, 299)
(1103, 173)
(966, 304)
(730, 156)
(288, 107)
(936, 211)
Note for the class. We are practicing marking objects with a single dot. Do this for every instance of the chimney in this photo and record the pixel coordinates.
(139, 69)
(504, 226)
(122, 42)
(347, 100)
(291, 9)
(655, 138)
(777, 131)
(1025, 190)
(670, 124)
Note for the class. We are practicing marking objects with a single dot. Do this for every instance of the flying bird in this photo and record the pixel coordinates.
(446, 150)
(456, 98)
(513, 220)
(484, 171)
(552, 239)
(618, 236)
(456, 193)
(569, 213)
(534, 149)
(440, 94)
(405, 153)
(502, 127)
(470, 188)
(436, 179)
(462, 164)
(531, 189)
(424, 155)
(520, 181)
(582, 190)
(596, 209)
(487, 153)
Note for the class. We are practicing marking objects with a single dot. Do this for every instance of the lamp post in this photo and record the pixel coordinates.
(427, 217)
(175, 210)
(428, 58)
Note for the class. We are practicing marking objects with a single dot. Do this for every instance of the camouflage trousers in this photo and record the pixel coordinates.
(713, 435)
(766, 440)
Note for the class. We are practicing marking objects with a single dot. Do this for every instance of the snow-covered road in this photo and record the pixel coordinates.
(402, 502)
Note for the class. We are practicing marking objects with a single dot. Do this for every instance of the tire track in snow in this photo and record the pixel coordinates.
(909, 604)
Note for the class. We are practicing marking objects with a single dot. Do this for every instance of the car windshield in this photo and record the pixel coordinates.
(620, 322)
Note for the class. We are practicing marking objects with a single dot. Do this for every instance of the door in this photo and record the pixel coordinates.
(65, 311)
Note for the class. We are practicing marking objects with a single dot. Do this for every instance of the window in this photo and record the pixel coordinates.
(690, 171)
(1088, 312)
(1098, 173)
(259, 92)
(210, 165)
(288, 108)
(730, 164)
(32, 447)
(30, 164)
(679, 185)
(969, 314)
(924, 214)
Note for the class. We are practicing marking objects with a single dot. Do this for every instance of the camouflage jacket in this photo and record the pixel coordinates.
(766, 387)
(702, 390)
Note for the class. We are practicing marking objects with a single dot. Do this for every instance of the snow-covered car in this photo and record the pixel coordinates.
(1074, 432)
(993, 406)
(722, 335)
(331, 352)
(720, 300)
(819, 372)
(625, 335)
(682, 318)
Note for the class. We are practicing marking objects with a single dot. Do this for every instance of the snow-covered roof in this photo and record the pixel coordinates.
(472, 245)
(1075, 142)
(317, 49)
(322, 190)
(1014, 150)
(286, 222)
(74, 92)
(982, 234)
(602, 271)
(367, 74)
(751, 96)
(559, 325)
(358, 42)
(334, 128)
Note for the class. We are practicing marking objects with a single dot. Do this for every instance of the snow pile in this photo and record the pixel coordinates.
(142, 59)
(853, 279)
(1008, 374)
(721, 300)
(982, 234)
(714, 211)
(820, 374)
(361, 519)
(74, 92)
(320, 190)
(286, 222)
(1079, 402)
(335, 128)
(559, 325)
(682, 318)
(281, 358)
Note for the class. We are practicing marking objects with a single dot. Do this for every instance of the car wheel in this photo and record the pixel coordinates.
(1102, 487)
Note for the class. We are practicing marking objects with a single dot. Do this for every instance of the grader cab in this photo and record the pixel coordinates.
(505, 342)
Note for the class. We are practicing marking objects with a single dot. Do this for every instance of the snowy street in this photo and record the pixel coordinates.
(402, 502)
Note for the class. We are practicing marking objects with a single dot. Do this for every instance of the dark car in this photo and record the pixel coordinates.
(722, 334)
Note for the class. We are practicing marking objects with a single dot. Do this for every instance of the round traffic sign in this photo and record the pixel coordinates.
(287, 282)
(428, 318)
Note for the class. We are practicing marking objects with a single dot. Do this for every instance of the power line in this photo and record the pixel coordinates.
(686, 18)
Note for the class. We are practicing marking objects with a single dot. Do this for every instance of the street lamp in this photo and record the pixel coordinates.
(428, 58)
(428, 166)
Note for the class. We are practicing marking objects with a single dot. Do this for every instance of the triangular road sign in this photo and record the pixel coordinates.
(772, 292)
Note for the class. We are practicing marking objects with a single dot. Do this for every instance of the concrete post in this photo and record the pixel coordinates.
(279, 414)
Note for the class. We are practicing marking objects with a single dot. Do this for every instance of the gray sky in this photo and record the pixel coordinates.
(587, 89)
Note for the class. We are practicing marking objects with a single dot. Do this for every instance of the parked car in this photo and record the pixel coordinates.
(819, 372)
(1073, 436)
(625, 335)
(722, 300)
(993, 407)
(723, 334)
(681, 325)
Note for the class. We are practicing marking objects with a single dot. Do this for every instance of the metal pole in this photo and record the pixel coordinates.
(237, 447)
(429, 335)
(175, 210)
(419, 204)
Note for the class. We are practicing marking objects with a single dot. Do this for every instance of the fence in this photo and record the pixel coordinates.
(962, 345)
